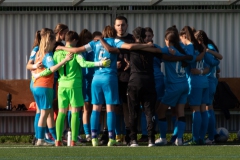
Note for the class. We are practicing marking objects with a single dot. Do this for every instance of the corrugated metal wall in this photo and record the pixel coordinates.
(222, 28)
(17, 33)
(18, 30)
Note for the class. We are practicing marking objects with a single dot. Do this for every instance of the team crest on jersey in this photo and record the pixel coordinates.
(116, 40)
(49, 59)
(32, 53)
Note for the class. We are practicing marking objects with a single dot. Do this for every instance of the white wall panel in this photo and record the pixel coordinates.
(222, 28)
(18, 30)
(17, 34)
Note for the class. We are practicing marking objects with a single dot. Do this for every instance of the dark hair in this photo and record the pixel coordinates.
(71, 35)
(172, 29)
(193, 30)
(109, 32)
(139, 33)
(201, 36)
(85, 34)
(148, 29)
(187, 31)
(173, 38)
(121, 18)
(97, 33)
(60, 27)
(37, 39)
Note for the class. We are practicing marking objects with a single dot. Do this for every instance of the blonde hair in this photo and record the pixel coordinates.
(47, 36)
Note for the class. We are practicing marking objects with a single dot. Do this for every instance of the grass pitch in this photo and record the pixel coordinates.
(122, 152)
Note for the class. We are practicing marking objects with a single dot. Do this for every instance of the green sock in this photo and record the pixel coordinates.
(75, 125)
(60, 125)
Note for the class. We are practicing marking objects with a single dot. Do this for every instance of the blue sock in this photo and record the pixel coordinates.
(174, 119)
(86, 128)
(144, 124)
(111, 123)
(204, 125)
(215, 130)
(175, 129)
(211, 124)
(196, 125)
(37, 116)
(69, 119)
(41, 132)
(118, 124)
(94, 123)
(53, 132)
(163, 128)
(181, 128)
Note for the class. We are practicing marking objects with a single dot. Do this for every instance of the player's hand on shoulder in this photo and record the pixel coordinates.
(171, 51)
(69, 56)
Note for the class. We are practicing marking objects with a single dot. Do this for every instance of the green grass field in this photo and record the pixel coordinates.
(123, 152)
(19, 147)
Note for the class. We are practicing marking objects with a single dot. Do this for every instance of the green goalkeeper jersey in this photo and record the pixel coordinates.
(70, 74)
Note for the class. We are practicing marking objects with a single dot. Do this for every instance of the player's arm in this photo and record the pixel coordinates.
(72, 50)
(215, 54)
(109, 48)
(32, 66)
(87, 64)
(53, 68)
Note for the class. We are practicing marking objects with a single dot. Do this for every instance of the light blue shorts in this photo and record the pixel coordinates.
(105, 89)
(175, 93)
(43, 97)
(198, 96)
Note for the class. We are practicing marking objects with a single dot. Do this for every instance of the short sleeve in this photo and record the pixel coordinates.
(33, 53)
(89, 47)
(118, 43)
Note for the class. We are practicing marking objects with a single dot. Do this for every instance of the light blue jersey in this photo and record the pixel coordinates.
(213, 63)
(33, 53)
(101, 53)
(174, 71)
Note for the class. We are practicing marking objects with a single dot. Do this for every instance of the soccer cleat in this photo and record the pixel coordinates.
(104, 138)
(178, 142)
(209, 142)
(173, 139)
(191, 143)
(49, 141)
(58, 143)
(151, 143)
(144, 138)
(41, 142)
(73, 143)
(119, 138)
(112, 142)
(81, 140)
(88, 138)
(94, 142)
(133, 143)
(161, 142)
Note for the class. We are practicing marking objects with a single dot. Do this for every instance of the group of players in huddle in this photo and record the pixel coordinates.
(122, 71)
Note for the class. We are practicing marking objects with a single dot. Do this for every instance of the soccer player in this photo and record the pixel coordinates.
(176, 87)
(159, 84)
(43, 92)
(31, 66)
(70, 87)
(198, 86)
(84, 38)
(212, 58)
(121, 25)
